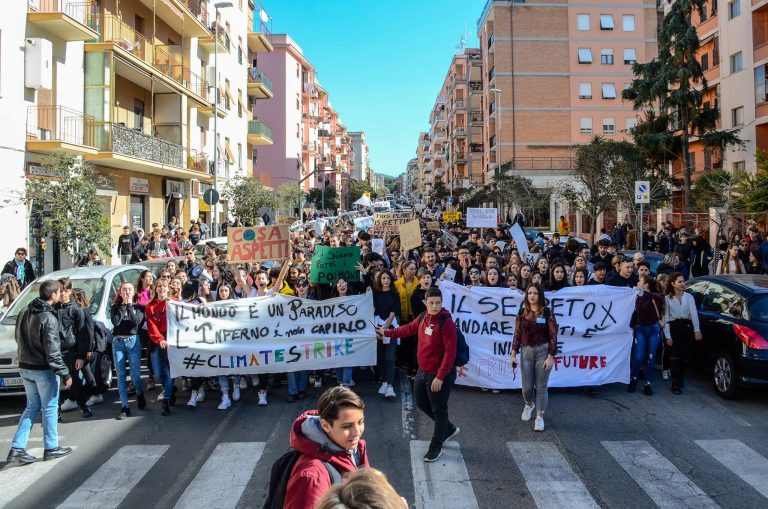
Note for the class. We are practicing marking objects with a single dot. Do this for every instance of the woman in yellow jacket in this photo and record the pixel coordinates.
(405, 287)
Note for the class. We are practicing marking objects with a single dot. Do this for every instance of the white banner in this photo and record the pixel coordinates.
(482, 217)
(593, 344)
(270, 335)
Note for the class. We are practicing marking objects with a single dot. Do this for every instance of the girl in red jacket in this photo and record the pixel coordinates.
(331, 434)
(157, 326)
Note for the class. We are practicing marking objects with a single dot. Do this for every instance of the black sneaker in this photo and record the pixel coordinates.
(452, 434)
(676, 388)
(56, 452)
(592, 391)
(125, 412)
(165, 409)
(86, 411)
(647, 390)
(632, 385)
(433, 453)
(291, 398)
(142, 401)
(19, 457)
(302, 394)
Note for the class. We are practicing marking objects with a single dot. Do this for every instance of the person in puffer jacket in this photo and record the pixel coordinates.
(331, 434)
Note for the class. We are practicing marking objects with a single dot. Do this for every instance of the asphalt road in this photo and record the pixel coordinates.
(617, 450)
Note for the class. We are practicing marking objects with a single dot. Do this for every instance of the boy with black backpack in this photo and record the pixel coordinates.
(437, 359)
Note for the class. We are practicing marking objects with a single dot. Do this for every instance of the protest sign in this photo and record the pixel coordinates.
(319, 227)
(363, 223)
(450, 239)
(452, 217)
(433, 226)
(377, 246)
(410, 235)
(289, 220)
(482, 218)
(450, 274)
(501, 244)
(388, 223)
(331, 263)
(258, 243)
(270, 335)
(521, 243)
(593, 344)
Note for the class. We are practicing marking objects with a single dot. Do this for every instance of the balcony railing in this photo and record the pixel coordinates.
(198, 8)
(224, 38)
(459, 105)
(323, 133)
(475, 86)
(256, 76)
(543, 163)
(476, 148)
(134, 143)
(198, 161)
(258, 128)
(57, 123)
(85, 12)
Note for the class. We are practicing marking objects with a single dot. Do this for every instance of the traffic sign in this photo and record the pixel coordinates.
(211, 196)
(642, 191)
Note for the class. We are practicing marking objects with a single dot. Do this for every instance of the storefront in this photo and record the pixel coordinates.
(139, 189)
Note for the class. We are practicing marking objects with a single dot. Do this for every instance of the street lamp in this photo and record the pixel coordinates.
(497, 102)
(217, 6)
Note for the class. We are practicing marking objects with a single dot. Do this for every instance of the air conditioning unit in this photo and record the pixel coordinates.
(38, 63)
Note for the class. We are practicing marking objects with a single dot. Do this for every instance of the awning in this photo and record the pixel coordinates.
(202, 206)
(242, 104)
(230, 154)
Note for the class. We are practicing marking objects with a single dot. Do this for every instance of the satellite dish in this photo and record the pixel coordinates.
(264, 16)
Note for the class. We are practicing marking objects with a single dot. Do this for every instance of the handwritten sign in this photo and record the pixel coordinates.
(363, 223)
(289, 220)
(377, 246)
(258, 243)
(410, 235)
(270, 335)
(450, 239)
(482, 218)
(388, 223)
(433, 226)
(331, 263)
(452, 217)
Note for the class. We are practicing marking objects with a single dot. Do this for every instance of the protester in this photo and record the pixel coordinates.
(21, 268)
(127, 318)
(365, 488)
(646, 323)
(386, 310)
(731, 263)
(681, 327)
(157, 327)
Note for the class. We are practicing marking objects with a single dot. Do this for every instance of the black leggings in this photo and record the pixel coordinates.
(682, 345)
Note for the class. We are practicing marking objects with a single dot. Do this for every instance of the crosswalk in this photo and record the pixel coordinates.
(553, 476)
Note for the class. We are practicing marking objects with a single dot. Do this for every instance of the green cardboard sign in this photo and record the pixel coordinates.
(331, 263)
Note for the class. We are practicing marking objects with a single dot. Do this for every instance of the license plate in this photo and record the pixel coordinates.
(10, 382)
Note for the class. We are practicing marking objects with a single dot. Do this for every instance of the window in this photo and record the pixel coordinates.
(703, 15)
(630, 56)
(722, 300)
(585, 125)
(630, 123)
(239, 54)
(734, 9)
(628, 22)
(739, 166)
(585, 56)
(715, 51)
(692, 161)
(240, 156)
(298, 131)
(609, 125)
(705, 61)
(697, 290)
(707, 159)
(609, 91)
(239, 103)
(585, 90)
(737, 116)
(582, 21)
(760, 88)
(736, 62)
(606, 56)
(606, 22)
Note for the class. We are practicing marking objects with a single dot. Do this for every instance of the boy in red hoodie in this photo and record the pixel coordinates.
(330, 434)
(436, 355)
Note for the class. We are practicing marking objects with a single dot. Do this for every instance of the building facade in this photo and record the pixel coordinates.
(359, 169)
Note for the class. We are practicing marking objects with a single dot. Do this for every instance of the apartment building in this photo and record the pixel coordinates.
(149, 93)
(359, 169)
(410, 179)
(553, 76)
(424, 176)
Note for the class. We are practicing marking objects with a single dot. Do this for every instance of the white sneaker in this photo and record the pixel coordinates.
(383, 389)
(192, 400)
(225, 403)
(527, 412)
(68, 405)
(351, 383)
(160, 397)
(243, 384)
(665, 374)
(236, 392)
(262, 399)
(201, 395)
(95, 400)
(255, 381)
(539, 425)
(389, 393)
(318, 382)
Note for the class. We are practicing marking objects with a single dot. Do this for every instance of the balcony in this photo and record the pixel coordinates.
(323, 133)
(475, 148)
(189, 17)
(69, 20)
(475, 87)
(460, 131)
(53, 129)
(259, 35)
(259, 133)
(259, 86)
(224, 41)
(198, 161)
(309, 147)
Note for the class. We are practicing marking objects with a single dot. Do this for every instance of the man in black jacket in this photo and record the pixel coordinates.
(75, 346)
(21, 268)
(40, 365)
(125, 245)
(140, 251)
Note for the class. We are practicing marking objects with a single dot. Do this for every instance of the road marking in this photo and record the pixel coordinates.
(406, 397)
(110, 484)
(657, 476)
(15, 481)
(548, 476)
(444, 483)
(222, 480)
(741, 460)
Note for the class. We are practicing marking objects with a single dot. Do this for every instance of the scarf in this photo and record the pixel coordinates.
(21, 270)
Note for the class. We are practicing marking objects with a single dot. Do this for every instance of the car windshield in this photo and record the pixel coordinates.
(758, 309)
(94, 289)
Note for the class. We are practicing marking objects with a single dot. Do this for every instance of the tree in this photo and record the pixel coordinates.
(70, 208)
(246, 196)
(357, 188)
(315, 196)
(676, 80)
(439, 192)
(755, 186)
(515, 192)
(594, 186)
(289, 197)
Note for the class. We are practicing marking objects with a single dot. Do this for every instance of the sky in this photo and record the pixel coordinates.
(382, 63)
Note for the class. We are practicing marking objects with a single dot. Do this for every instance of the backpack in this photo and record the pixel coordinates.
(462, 348)
(280, 474)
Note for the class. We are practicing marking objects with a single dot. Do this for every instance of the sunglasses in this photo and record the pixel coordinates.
(21, 254)
(302, 284)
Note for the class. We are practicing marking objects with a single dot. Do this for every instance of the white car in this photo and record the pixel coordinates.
(100, 284)
(221, 243)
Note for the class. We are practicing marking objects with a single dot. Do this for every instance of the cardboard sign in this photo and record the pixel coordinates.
(450, 239)
(377, 246)
(452, 217)
(482, 218)
(363, 223)
(388, 223)
(450, 274)
(289, 220)
(410, 235)
(258, 243)
(433, 226)
(331, 263)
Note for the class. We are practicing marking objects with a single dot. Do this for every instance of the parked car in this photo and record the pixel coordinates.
(733, 315)
(654, 259)
(221, 243)
(157, 265)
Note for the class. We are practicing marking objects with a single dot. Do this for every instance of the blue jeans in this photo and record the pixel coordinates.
(297, 381)
(162, 370)
(42, 389)
(127, 349)
(647, 339)
(344, 376)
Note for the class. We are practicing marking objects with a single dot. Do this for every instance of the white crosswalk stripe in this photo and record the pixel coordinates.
(112, 482)
(14, 481)
(657, 476)
(741, 460)
(444, 483)
(548, 476)
(223, 478)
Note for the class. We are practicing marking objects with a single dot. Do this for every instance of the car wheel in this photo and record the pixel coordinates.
(725, 376)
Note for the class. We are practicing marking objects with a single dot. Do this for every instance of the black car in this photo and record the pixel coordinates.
(733, 315)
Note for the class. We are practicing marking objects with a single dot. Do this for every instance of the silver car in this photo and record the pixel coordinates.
(101, 285)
